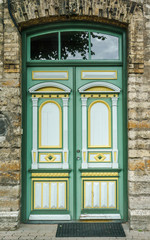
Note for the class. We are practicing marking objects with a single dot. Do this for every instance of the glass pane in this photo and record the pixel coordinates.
(104, 46)
(45, 47)
(74, 45)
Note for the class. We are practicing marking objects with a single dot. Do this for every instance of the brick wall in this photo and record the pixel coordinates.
(133, 15)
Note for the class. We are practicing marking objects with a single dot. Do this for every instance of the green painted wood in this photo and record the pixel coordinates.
(74, 83)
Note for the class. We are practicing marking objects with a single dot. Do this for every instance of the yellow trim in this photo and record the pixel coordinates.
(50, 89)
(32, 195)
(98, 71)
(60, 125)
(47, 157)
(98, 89)
(97, 174)
(50, 174)
(65, 156)
(89, 123)
(34, 156)
(49, 78)
(84, 156)
(97, 154)
(115, 154)
(100, 95)
(50, 95)
(49, 161)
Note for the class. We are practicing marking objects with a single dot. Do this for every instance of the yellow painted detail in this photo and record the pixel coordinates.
(51, 95)
(102, 174)
(50, 89)
(84, 156)
(60, 125)
(101, 95)
(52, 78)
(34, 156)
(50, 174)
(65, 156)
(89, 125)
(54, 155)
(100, 159)
(98, 77)
(99, 89)
(115, 154)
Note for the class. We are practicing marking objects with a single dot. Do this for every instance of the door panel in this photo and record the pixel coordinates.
(74, 148)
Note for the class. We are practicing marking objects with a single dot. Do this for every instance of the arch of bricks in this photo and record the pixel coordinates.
(132, 15)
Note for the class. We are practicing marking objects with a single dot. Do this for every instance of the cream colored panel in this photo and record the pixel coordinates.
(38, 193)
(88, 195)
(62, 197)
(45, 195)
(99, 125)
(104, 194)
(96, 194)
(50, 125)
(100, 157)
(48, 75)
(53, 195)
(112, 196)
(99, 75)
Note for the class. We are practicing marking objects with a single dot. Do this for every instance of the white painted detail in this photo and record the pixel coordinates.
(61, 198)
(50, 217)
(45, 195)
(100, 165)
(34, 129)
(48, 84)
(99, 125)
(88, 195)
(50, 165)
(96, 194)
(50, 75)
(111, 193)
(54, 195)
(114, 121)
(84, 132)
(99, 75)
(100, 216)
(100, 84)
(104, 194)
(65, 132)
(50, 125)
(38, 194)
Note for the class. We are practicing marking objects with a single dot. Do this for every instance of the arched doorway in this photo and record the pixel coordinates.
(74, 150)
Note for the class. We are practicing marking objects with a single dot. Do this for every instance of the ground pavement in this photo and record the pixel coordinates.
(48, 231)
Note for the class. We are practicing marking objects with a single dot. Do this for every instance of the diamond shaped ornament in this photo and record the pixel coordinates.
(100, 157)
(50, 157)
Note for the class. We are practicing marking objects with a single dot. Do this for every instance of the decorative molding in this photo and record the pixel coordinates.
(84, 132)
(50, 75)
(93, 74)
(50, 217)
(99, 216)
(37, 87)
(114, 89)
(100, 174)
(50, 174)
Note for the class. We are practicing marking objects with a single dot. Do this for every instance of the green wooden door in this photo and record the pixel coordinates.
(74, 143)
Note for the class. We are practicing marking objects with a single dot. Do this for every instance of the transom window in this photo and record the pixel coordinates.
(75, 45)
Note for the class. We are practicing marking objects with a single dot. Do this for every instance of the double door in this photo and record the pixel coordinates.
(74, 141)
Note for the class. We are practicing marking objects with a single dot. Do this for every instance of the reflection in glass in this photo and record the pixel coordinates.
(104, 46)
(45, 47)
(74, 45)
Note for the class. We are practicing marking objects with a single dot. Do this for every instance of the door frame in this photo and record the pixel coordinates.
(72, 63)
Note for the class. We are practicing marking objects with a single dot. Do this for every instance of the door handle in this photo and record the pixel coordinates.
(78, 158)
(78, 151)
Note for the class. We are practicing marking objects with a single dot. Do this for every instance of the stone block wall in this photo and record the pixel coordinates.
(132, 15)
